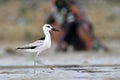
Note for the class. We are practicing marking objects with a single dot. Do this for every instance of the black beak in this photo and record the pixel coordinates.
(54, 29)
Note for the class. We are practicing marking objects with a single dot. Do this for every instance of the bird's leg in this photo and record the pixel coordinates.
(40, 62)
(35, 61)
(48, 66)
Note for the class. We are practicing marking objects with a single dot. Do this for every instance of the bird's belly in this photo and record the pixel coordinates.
(42, 48)
(31, 50)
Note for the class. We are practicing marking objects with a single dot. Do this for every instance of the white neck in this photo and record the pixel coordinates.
(47, 38)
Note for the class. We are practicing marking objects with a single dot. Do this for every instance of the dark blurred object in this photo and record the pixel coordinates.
(77, 29)
(70, 37)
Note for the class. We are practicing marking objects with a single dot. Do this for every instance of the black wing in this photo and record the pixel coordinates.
(42, 38)
(32, 47)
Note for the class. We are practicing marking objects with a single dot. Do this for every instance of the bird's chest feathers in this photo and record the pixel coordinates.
(47, 44)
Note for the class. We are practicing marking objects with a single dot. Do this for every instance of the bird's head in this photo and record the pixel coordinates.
(49, 28)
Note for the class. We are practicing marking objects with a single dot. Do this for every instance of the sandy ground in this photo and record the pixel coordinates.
(66, 73)
(16, 64)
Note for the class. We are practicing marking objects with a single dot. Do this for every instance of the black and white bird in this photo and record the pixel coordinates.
(41, 44)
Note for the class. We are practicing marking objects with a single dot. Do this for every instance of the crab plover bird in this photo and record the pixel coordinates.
(41, 44)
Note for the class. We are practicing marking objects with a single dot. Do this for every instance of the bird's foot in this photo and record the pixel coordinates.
(50, 67)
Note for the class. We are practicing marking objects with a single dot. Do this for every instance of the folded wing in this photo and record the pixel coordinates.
(32, 45)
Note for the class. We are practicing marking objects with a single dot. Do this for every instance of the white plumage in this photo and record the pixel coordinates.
(40, 44)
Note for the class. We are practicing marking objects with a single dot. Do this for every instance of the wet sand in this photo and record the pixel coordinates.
(74, 72)
(18, 65)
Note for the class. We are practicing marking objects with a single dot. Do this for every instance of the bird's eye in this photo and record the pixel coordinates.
(48, 26)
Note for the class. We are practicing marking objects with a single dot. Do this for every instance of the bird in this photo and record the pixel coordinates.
(41, 44)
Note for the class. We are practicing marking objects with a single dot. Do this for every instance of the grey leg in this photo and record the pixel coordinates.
(48, 66)
(39, 62)
(35, 61)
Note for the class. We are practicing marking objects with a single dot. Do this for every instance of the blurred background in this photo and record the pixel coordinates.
(21, 22)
